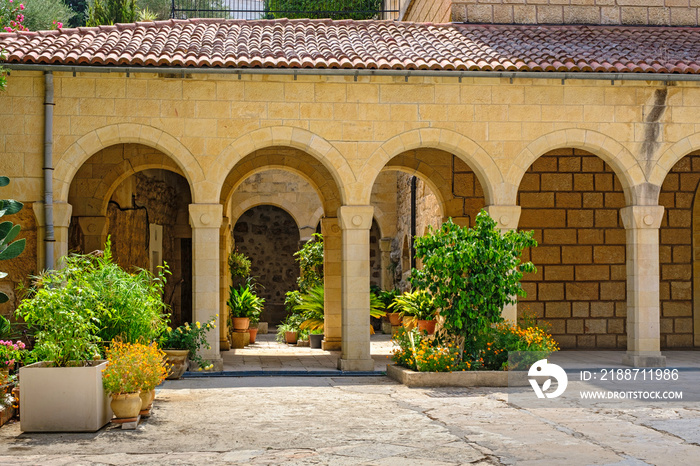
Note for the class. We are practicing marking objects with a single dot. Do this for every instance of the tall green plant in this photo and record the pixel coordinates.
(106, 12)
(9, 247)
(243, 302)
(310, 259)
(311, 308)
(472, 273)
(334, 9)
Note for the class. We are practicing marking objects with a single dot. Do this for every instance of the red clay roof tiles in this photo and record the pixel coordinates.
(363, 45)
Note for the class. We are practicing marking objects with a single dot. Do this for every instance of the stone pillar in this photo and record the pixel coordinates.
(506, 217)
(385, 264)
(355, 223)
(206, 220)
(94, 230)
(61, 221)
(643, 306)
(226, 242)
(332, 284)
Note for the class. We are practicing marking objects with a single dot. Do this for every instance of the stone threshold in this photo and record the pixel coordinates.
(284, 373)
(456, 379)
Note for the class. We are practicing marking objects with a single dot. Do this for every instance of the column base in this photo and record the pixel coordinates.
(332, 344)
(224, 344)
(644, 359)
(356, 365)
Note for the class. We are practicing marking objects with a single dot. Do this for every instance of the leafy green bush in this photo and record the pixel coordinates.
(334, 9)
(9, 248)
(495, 343)
(42, 15)
(77, 310)
(106, 12)
(417, 303)
(239, 267)
(471, 273)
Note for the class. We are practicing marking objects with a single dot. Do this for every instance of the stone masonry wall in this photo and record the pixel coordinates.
(631, 12)
(269, 237)
(571, 199)
(676, 242)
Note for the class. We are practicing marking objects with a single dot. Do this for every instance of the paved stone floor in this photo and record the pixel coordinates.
(267, 355)
(369, 421)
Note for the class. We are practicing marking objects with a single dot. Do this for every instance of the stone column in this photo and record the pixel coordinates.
(94, 230)
(332, 284)
(225, 240)
(355, 223)
(643, 306)
(61, 221)
(506, 217)
(205, 220)
(385, 263)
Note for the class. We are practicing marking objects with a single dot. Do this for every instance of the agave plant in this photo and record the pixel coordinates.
(9, 249)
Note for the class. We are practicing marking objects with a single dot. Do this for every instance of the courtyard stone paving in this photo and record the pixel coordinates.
(365, 420)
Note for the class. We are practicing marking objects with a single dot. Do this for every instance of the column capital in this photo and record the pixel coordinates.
(330, 226)
(61, 214)
(506, 216)
(355, 217)
(385, 244)
(642, 216)
(93, 226)
(206, 215)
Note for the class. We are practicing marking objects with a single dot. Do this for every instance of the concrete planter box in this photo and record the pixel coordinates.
(456, 379)
(63, 399)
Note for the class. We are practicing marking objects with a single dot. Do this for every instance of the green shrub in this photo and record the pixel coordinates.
(9, 247)
(494, 344)
(334, 9)
(43, 15)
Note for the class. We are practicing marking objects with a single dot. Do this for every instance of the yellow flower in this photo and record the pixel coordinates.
(199, 325)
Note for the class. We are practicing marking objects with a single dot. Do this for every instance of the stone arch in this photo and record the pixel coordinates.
(449, 141)
(289, 207)
(439, 186)
(124, 133)
(283, 136)
(672, 156)
(620, 159)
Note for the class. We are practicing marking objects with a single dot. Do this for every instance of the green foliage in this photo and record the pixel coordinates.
(243, 302)
(418, 304)
(188, 337)
(472, 273)
(334, 9)
(239, 267)
(292, 323)
(310, 259)
(311, 308)
(9, 247)
(41, 15)
(495, 343)
(5, 328)
(159, 8)
(76, 310)
(106, 12)
(386, 297)
(80, 10)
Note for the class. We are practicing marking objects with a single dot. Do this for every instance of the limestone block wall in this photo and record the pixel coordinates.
(677, 245)
(571, 200)
(630, 12)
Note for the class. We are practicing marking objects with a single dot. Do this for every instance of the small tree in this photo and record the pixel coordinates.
(472, 273)
(9, 249)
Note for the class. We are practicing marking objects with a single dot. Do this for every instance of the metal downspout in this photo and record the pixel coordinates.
(49, 104)
(414, 185)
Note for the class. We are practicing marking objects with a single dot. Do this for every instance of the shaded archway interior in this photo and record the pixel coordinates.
(136, 196)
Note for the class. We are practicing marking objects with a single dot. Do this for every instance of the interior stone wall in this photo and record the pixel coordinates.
(269, 237)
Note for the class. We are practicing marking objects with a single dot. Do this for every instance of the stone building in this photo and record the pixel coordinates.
(196, 133)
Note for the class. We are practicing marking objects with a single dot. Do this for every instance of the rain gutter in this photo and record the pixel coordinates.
(49, 104)
(183, 71)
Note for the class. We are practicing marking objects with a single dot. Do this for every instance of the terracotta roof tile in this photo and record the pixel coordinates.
(363, 45)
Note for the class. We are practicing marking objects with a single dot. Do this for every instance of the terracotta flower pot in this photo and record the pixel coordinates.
(253, 333)
(240, 324)
(290, 337)
(427, 325)
(177, 362)
(126, 405)
(395, 318)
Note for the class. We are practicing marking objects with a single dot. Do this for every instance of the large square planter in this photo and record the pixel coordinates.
(63, 399)
(456, 379)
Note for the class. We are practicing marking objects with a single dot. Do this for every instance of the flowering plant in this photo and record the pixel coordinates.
(189, 337)
(11, 16)
(10, 352)
(123, 371)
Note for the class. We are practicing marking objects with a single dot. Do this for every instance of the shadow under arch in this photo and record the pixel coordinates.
(289, 207)
(124, 133)
(454, 143)
(609, 150)
(316, 147)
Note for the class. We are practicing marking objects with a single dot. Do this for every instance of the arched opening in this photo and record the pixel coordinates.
(679, 255)
(571, 199)
(269, 236)
(139, 198)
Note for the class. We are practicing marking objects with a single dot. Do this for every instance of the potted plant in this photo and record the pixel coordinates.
(182, 343)
(121, 379)
(387, 299)
(10, 353)
(152, 373)
(416, 308)
(245, 309)
(72, 311)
